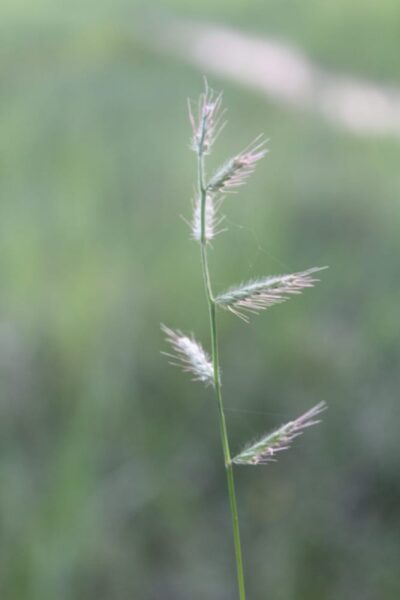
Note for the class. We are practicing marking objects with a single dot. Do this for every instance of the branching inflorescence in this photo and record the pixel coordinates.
(242, 300)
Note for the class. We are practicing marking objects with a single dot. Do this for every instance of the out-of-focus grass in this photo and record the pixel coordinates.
(109, 462)
(361, 37)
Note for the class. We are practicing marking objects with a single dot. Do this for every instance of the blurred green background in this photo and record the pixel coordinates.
(111, 478)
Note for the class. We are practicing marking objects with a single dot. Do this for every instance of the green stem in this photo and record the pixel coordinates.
(217, 383)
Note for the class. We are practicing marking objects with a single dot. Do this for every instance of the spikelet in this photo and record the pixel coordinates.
(208, 124)
(258, 294)
(213, 220)
(235, 171)
(264, 450)
(189, 355)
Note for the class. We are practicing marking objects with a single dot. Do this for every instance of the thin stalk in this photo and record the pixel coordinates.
(217, 382)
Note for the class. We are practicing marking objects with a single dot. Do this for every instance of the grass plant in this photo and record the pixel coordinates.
(242, 300)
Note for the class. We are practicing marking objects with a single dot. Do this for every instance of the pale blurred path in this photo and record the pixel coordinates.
(281, 72)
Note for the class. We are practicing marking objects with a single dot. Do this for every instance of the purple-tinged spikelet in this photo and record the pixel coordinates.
(207, 124)
(236, 170)
(258, 294)
(264, 450)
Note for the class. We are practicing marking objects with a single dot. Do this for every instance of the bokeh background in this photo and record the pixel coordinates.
(111, 478)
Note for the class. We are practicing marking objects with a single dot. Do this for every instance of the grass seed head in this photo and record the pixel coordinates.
(259, 294)
(208, 123)
(264, 450)
(189, 355)
(235, 171)
(213, 219)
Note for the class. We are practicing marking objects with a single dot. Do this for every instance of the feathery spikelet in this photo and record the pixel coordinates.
(208, 123)
(189, 355)
(263, 451)
(236, 170)
(212, 219)
(259, 294)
